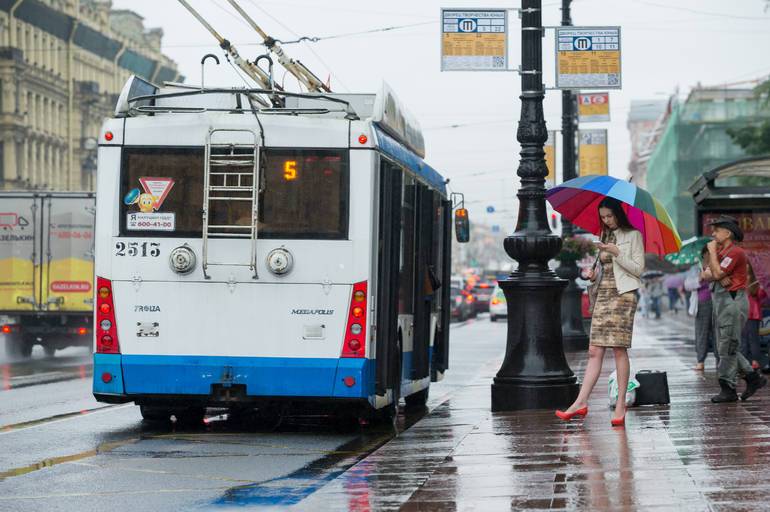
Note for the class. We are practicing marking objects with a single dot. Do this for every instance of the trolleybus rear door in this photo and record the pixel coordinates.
(389, 247)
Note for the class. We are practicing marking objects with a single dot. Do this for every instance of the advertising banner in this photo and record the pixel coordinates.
(592, 152)
(550, 159)
(593, 107)
(474, 40)
(588, 58)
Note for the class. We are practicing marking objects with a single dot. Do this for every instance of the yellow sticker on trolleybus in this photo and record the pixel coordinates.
(148, 218)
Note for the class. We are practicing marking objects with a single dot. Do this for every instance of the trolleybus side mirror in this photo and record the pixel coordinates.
(462, 225)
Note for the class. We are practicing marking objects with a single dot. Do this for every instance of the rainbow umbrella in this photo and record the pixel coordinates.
(578, 201)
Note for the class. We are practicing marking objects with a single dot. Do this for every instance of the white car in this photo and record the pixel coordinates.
(497, 305)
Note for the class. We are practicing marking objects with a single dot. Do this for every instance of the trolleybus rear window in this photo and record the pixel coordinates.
(303, 194)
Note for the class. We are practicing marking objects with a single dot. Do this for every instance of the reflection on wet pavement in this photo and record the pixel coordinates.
(692, 455)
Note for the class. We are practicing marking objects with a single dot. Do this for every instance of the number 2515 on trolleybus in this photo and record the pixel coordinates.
(268, 258)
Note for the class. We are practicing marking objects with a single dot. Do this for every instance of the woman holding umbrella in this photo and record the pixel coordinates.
(622, 263)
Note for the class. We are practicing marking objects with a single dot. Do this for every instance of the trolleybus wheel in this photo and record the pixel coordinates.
(389, 413)
(155, 414)
(417, 400)
(190, 416)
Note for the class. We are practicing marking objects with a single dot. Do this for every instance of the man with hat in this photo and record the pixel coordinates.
(727, 269)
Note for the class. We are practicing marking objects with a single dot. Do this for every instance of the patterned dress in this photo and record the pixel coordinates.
(612, 324)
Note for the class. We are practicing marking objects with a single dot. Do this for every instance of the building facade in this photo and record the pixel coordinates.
(62, 65)
(644, 121)
(694, 140)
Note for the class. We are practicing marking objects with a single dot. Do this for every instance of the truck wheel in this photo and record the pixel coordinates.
(418, 400)
(17, 347)
(49, 351)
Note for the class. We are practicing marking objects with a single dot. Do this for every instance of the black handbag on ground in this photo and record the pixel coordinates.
(653, 388)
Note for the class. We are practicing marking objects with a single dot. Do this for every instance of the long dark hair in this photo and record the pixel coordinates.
(616, 207)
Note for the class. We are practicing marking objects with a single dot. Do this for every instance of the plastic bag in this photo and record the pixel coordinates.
(633, 384)
(693, 304)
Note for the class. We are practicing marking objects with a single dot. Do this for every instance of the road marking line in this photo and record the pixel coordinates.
(27, 425)
(54, 461)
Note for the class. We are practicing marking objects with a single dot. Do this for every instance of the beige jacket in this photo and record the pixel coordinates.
(629, 264)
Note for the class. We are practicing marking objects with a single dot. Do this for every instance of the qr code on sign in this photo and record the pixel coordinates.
(498, 62)
(613, 79)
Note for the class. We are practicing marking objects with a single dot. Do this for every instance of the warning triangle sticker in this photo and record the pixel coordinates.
(158, 188)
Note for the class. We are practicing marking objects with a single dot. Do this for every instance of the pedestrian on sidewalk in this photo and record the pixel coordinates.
(654, 287)
(621, 253)
(750, 338)
(674, 283)
(728, 273)
(704, 318)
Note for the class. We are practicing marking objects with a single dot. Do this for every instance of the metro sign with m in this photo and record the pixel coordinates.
(582, 43)
(467, 25)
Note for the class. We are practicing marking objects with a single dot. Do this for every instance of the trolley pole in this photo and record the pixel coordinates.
(534, 373)
(575, 338)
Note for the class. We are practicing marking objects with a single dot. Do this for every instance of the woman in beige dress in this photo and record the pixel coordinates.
(621, 254)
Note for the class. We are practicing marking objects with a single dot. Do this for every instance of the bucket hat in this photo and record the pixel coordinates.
(727, 222)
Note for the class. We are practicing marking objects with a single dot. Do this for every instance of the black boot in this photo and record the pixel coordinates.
(754, 381)
(727, 394)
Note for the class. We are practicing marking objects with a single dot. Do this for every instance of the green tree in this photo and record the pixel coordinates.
(755, 138)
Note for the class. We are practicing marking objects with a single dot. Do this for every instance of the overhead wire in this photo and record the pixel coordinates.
(309, 48)
(698, 11)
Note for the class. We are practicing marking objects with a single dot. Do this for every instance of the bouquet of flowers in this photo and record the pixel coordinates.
(575, 248)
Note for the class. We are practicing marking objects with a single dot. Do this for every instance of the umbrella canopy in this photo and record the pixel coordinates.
(578, 201)
(689, 254)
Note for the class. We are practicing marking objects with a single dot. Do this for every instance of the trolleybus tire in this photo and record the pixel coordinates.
(417, 400)
(190, 416)
(155, 414)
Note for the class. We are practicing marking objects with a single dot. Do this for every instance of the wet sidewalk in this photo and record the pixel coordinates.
(691, 455)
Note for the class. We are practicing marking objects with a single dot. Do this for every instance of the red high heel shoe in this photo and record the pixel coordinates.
(618, 422)
(566, 416)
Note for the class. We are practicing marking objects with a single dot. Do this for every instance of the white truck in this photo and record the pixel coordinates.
(46, 270)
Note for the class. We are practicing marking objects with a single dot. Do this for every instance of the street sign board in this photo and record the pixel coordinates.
(593, 107)
(474, 40)
(592, 152)
(588, 58)
(550, 159)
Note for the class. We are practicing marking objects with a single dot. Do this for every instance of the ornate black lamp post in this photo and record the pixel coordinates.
(573, 334)
(535, 373)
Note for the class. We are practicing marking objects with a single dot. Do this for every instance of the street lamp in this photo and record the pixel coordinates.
(573, 334)
(534, 373)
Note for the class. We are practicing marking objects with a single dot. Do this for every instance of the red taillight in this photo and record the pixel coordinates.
(349, 381)
(355, 331)
(495, 301)
(106, 377)
(82, 331)
(106, 339)
(363, 139)
(6, 329)
(108, 136)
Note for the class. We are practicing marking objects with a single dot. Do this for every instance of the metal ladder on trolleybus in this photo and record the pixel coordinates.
(231, 173)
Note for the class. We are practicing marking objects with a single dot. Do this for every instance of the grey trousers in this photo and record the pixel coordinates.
(704, 331)
(730, 315)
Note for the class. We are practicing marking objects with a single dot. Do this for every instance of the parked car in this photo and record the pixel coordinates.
(460, 308)
(482, 293)
(498, 307)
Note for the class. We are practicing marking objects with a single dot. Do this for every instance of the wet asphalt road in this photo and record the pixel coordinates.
(61, 450)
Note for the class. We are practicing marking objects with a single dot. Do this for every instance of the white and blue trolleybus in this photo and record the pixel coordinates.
(267, 258)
